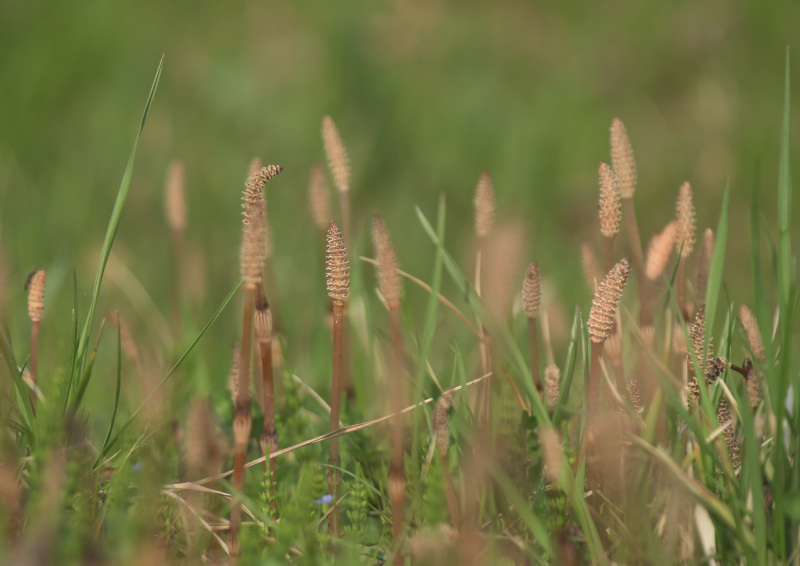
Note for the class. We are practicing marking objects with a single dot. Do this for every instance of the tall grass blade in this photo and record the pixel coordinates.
(119, 387)
(111, 232)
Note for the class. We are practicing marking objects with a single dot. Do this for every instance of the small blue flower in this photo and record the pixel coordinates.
(327, 499)
(137, 466)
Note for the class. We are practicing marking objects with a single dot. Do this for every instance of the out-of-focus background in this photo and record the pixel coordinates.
(426, 94)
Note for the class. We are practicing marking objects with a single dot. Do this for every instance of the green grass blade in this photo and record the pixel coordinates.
(785, 199)
(569, 367)
(130, 420)
(21, 388)
(113, 226)
(433, 300)
(119, 387)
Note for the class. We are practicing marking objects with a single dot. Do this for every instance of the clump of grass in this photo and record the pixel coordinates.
(338, 280)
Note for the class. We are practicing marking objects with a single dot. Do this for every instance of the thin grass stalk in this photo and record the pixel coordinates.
(269, 435)
(175, 210)
(391, 288)
(484, 203)
(242, 422)
(338, 281)
(252, 259)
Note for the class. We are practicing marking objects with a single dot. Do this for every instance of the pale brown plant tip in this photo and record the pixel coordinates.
(610, 203)
(338, 161)
(484, 205)
(319, 198)
(622, 159)
(660, 250)
(591, 268)
(388, 279)
(175, 197)
(552, 384)
(752, 383)
(255, 165)
(703, 266)
(634, 396)
(606, 300)
(532, 291)
(254, 242)
(552, 453)
(337, 267)
(35, 288)
(687, 223)
(752, 332)
(441, 423)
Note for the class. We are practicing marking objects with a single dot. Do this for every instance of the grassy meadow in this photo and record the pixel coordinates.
(258, 235)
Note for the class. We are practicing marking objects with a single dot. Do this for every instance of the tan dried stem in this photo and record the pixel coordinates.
(319, 198)
(391, 288)
(35, 286)
(591, 268)
(337, 271)
(610, 210)
(531, 301)
(684, 240)
(441, 430)
(269, 435)
(552, 380)
(175, 210)
(484, 205)
(703, 266)
(252, 259)
(175, 197)
(339, 165)
(659, 251)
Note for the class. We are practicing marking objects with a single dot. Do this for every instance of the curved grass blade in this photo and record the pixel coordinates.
(130, 420)
(569, 367)
(119, 386)
(24, 404)
(111, 232)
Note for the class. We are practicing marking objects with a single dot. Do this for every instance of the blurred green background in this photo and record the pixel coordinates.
(426, 94)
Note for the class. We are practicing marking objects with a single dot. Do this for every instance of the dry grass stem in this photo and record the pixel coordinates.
(319, 198)
(269, 435)
(35, 288)
(484, 205)
(175, 210)
(441, 431)
(339, 165)
(659, 251)
(591, 268)
(531, 301)
(684, 240)
(337, 270)
(252, 259)
(391, 288)
(703, 266)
